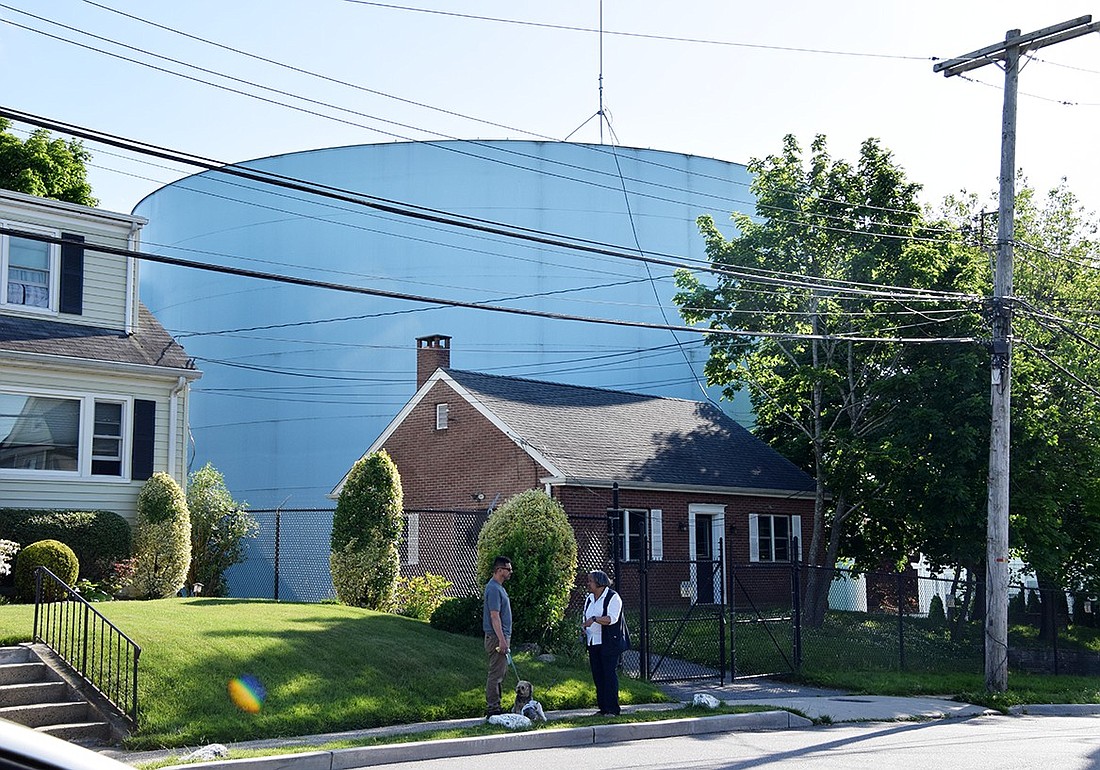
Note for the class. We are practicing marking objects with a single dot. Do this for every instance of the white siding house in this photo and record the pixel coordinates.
(93, 391)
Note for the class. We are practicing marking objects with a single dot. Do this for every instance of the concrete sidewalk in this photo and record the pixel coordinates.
(816, 704)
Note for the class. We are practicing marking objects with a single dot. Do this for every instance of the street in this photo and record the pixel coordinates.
(1017, 742)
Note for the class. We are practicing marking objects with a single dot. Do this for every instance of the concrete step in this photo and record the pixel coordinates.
(33, 692)
(16, 655)
(42, 714)
(84, 733)
(21, 673)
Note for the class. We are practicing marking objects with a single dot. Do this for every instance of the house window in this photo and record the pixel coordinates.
(28, 271)
(630, 534)
(441, 417)
(771, 537)
(107, 439)
(77, 435)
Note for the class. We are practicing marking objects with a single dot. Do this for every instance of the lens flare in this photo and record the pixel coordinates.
(247, 693)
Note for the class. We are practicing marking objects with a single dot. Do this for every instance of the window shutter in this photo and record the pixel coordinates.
(141, 448)
(796, 531)
(412, 539)
(656, 536)
(71, 296)
(754, 537)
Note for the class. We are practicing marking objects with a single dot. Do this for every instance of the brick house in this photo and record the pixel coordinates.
(94, 392)
(697, 478)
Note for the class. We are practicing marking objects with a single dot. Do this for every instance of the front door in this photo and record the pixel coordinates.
(704, 558)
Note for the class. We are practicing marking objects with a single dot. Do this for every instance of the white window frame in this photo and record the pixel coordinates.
(54, 268)
(717, 529)
(86, 431)
(656, 533)
(442, 414)
(794, 529)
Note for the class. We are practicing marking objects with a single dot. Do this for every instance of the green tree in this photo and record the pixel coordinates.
(837, 266)
(162, 542)
(533, 531)
(1055, 481)
(366, 528)
(219, 525)
(46, 167)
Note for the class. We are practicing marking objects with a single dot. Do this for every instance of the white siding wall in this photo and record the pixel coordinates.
(118, 496)
(106, 284)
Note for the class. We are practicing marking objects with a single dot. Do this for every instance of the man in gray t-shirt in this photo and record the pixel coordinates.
(496, 622)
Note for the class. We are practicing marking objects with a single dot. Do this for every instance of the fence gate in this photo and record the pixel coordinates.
(764, 612)
(676, 608)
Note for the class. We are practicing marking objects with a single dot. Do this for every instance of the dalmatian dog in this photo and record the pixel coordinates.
(526, 705)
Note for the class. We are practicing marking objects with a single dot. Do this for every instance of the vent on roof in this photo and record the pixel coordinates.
(440, 416)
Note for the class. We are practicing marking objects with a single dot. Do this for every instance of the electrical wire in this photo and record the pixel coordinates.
(667, 38)
(458, 303)
(461, 221)
(494, 148)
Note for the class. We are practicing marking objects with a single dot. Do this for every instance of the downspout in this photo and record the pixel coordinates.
(173, 421)
(131, 277)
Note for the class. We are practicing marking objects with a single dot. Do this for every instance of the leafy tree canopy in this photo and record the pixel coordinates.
(859, 347)
(44, 166)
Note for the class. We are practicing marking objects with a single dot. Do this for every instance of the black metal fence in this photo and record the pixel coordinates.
(93, 646)
(288, 559)
(900, 621)
(703, 618)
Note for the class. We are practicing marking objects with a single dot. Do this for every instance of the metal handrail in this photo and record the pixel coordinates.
(93, 646)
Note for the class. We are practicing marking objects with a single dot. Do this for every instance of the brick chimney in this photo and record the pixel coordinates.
(432, 352)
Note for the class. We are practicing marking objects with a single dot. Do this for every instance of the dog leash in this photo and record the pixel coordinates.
(513, 665)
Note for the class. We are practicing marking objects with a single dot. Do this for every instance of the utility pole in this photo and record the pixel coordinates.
(996, 586)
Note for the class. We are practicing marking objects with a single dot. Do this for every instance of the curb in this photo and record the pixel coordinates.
(1057, 710)
(370, 756)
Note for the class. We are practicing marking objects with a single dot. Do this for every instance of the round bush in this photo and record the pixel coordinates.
(55, 556)
(459, 616)
(533, 531)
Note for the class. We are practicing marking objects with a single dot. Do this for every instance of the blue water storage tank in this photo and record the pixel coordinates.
(299, 381)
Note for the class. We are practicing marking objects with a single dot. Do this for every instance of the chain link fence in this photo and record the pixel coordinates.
(871, 621)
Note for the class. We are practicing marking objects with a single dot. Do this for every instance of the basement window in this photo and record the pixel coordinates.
(441, 417)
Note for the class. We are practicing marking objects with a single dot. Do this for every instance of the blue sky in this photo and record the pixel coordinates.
(732, 98)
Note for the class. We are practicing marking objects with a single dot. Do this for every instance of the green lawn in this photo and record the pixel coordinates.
(329, 668)
(325, 668)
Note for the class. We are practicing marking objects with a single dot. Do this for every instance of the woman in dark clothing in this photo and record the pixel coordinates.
(603, 612)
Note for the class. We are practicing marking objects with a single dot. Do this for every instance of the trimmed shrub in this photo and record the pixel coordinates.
(365, 529)
(418, 597)
(162, 543)
(219, 525)
(55, 556)
(458, 616)
(98, 538)
(936, 615)
(533, 531)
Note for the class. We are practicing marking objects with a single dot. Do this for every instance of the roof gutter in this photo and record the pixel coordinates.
(49, 360)
(650, 486)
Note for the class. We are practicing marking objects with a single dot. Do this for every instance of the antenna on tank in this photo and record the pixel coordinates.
(600, 113)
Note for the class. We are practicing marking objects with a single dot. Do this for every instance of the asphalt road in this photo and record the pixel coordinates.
(979, 743)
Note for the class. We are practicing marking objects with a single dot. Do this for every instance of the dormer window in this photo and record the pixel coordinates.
(441, 417)
(28, 271)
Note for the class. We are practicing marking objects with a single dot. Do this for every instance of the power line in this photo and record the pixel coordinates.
(494, 148)
(475, 224)
(644, 36)
(294, 280)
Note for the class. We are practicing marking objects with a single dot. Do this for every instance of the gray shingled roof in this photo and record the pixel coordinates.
(592, 433)
(150, 345)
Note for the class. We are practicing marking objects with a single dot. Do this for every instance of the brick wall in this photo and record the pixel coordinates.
(446, 468)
